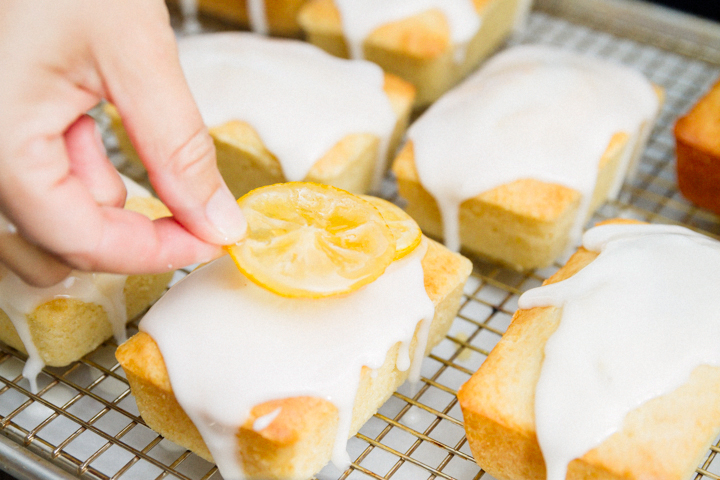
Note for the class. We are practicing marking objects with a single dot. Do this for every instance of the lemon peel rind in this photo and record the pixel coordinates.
(395, 217)
(354, 233)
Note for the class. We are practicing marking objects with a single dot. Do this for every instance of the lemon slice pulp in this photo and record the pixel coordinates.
(311, 240)
(405, 230)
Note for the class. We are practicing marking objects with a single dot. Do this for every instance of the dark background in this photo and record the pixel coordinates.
(703, 8)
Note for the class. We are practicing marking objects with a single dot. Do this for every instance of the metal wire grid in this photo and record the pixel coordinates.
(643, 22)
(85, 421)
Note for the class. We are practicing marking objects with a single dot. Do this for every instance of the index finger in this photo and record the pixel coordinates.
(163, 122)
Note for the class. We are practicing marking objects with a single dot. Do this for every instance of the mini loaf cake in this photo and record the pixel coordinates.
(610, 369)
(512, 162)
(58, 325)
(271, 387)
(284, 110)
(274, 17)
(697, 138)
(430, 43)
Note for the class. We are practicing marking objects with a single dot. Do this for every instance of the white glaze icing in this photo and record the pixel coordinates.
(300, 100)
(18, 299)
(361, 17)
(133, 189)
(635, 323)
(249, 346)
(261, 423)
(257, 16)
(529, 112)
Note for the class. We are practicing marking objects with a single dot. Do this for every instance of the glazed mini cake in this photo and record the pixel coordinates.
(511, 163)
(432, 44)
(610, 369)
(697, 138)
(273, 17)
(307, 373)
(60, 324)
(284, 110)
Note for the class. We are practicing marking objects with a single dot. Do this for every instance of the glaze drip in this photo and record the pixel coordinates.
(258, 18)
(189, 10)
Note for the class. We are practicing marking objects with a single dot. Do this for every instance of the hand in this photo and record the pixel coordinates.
(59, 192)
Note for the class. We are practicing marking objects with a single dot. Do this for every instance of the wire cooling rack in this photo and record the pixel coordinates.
(84, 421)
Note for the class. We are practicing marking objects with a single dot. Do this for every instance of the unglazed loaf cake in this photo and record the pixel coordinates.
(697, 139)
(274, 17)
(424, 46)
(298, 440)
(663, 433)
(291, 112)
(512, 162)
(63, 327)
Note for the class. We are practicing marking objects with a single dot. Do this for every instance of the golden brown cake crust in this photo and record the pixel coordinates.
(298, 442)
(665, 438)
(697, 137)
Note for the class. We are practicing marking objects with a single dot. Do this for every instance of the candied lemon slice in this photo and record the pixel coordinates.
(311, 240)
(405, 230)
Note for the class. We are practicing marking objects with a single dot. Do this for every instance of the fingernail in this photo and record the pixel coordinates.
(225, 215)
